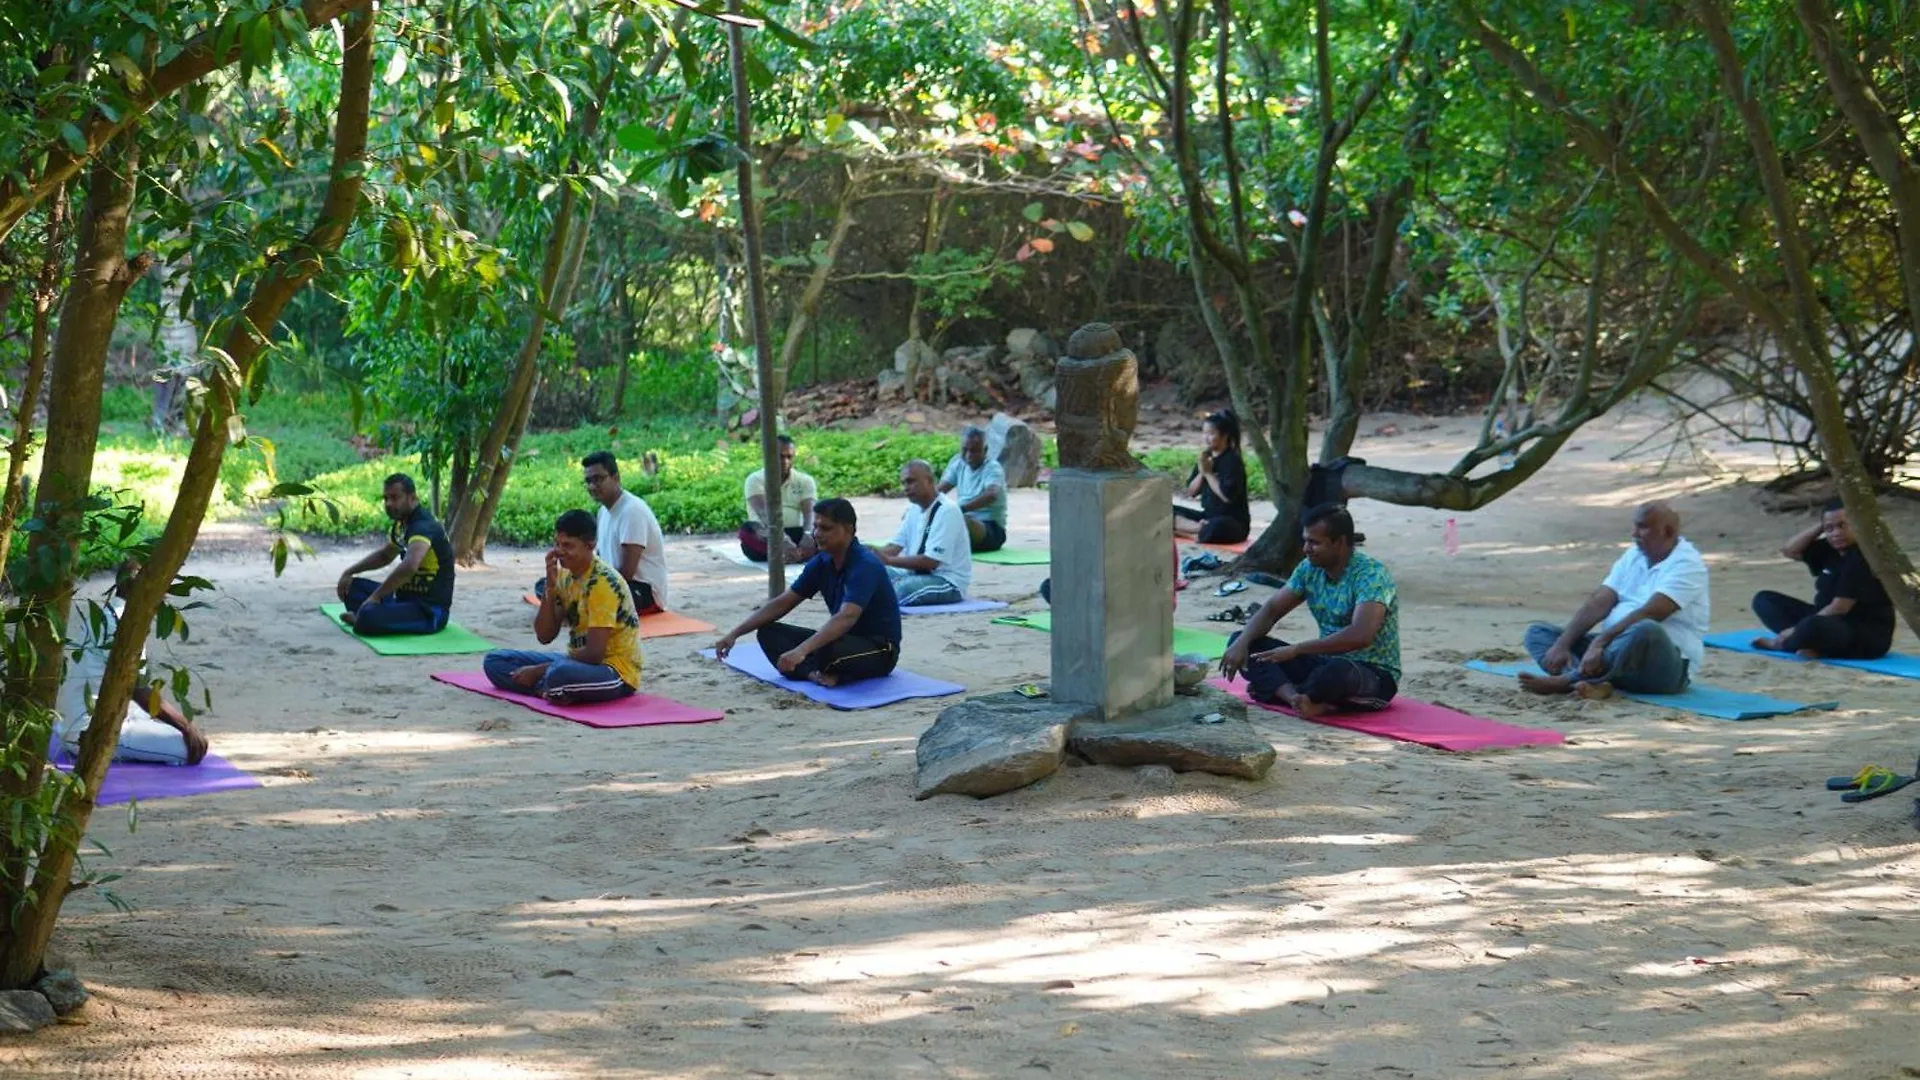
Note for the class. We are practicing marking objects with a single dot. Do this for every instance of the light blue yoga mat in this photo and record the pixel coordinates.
(958, 608)
(1895, 664)
(1697, 698)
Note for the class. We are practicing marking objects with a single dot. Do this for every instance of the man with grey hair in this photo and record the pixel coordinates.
(928, 560)
(1651, 614)
(980, 487)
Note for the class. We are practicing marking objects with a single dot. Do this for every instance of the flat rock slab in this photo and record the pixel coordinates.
(22, 1011)
(993, 744)
(1172, 736)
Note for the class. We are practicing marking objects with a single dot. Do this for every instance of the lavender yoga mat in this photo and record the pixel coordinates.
(127, 781)
(960, 608)
(747, 659)
(1419, 722)
(637, 710)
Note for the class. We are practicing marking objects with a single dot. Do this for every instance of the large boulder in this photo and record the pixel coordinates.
(1018, 450)
(992, 744)
(1027, 341)
(914, 356)
(1175, 736)
(63, 991)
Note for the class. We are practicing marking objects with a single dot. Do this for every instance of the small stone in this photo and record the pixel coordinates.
(62, 990)
(1154, 777)
(993, 744)
(493, 724)
(1031, 342)
(22, 1011)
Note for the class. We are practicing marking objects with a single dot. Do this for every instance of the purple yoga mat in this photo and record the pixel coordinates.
(1419, 722)
(127, 781)
(636, 710)
(747, 659)
(960, 608)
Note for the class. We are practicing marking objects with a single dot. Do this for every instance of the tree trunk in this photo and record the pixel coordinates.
(757, 304)
(45, 292)
(23, 942)
(816, 286)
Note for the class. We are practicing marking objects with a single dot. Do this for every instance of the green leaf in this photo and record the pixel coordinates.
(396, 67)
(1080, 231)
(1033, 211)
(70, 134)
(639, 138)
(834, 123)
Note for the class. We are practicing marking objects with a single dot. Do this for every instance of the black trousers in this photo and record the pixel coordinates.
(1216, 530)
(849, 658)
(1837, 636)
(1328, 680)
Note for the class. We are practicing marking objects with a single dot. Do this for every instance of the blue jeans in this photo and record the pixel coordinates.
(394, 615)
(567, 681)
(920, 590)
(1644, 660)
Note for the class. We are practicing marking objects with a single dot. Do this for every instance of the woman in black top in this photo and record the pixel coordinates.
(1220, 483)
(1850, 617)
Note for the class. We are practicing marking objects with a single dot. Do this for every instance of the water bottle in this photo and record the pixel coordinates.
(1500, 435)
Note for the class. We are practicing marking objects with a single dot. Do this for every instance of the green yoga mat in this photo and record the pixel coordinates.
(454, 639)
(1015, 557)
(1211, 646)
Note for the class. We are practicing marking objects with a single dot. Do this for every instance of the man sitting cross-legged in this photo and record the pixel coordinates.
(797, 494)
(628, 536)
(861, 640)
(1651, 613)
(155, 731)
(1850, 618)
(583, 593)
(417, 595)
(929, 560)
(1355, 662)
(980, 487)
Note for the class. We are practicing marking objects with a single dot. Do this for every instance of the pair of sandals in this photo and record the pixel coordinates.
(1234, 614)
(1871, 782)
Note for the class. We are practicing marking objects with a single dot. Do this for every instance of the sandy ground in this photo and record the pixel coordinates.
(435, 885)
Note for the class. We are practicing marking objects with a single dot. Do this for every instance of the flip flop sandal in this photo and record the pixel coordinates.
(1850, 783)
(1234, 614)
(1228, 588)
(1879, 782)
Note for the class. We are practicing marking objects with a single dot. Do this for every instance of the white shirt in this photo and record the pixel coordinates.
(1680, 577)
(938, 532)
(631, 521)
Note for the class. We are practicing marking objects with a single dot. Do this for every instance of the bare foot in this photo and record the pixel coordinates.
(347, 617)
(1806, 654)
(823, 678)
(1594, 691)
(1308, 708)
(1545, 684)
(1771, 644)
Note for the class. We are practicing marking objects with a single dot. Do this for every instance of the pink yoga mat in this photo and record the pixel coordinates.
(1419, 722)
(638, 710)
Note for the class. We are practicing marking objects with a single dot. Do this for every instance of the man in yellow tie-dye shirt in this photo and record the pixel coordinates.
(588, 597)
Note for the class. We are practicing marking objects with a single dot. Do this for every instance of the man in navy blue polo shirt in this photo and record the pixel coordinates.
(861, 640)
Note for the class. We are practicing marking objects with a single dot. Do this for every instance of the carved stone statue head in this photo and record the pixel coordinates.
(1098, 386)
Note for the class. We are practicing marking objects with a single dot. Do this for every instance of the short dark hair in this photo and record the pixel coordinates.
(1832, 505)
(1227, 424)
(839, 511)
(577, 524)
(602, 458)
(403, 480)
(784, 440)
(1336, 520)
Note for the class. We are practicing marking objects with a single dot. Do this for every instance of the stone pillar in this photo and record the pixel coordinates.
(1112, 590)
(1112, 539)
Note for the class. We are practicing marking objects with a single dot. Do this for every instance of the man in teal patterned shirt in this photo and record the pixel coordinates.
(1355, 662)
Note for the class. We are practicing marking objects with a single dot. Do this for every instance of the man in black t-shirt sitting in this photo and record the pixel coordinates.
(416, 597)
(1850, 618)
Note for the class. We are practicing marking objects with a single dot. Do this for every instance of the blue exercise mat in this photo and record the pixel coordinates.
(1696, 698)
(1895, 664)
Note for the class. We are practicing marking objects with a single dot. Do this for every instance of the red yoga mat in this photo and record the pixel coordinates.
(1418, 722)
(637, 710)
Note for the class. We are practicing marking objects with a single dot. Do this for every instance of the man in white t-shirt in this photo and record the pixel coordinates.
(628, 535)
(797, 495)
(162, 736)
(930, 559)
(1651, 615)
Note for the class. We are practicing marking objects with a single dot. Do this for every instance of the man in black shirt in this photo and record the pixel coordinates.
(417, 595)
(1850, 618)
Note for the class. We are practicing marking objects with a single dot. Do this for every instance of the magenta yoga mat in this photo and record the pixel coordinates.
(637, 710)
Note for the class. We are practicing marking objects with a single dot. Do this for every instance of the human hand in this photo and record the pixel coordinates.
(1278, 656)
(196, 744)
(529, 676)
(1206, 463)
(1595, 662)
(1557, 659)
(1234, 660)
(553, 570)
(724, 646)
(791, 659)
